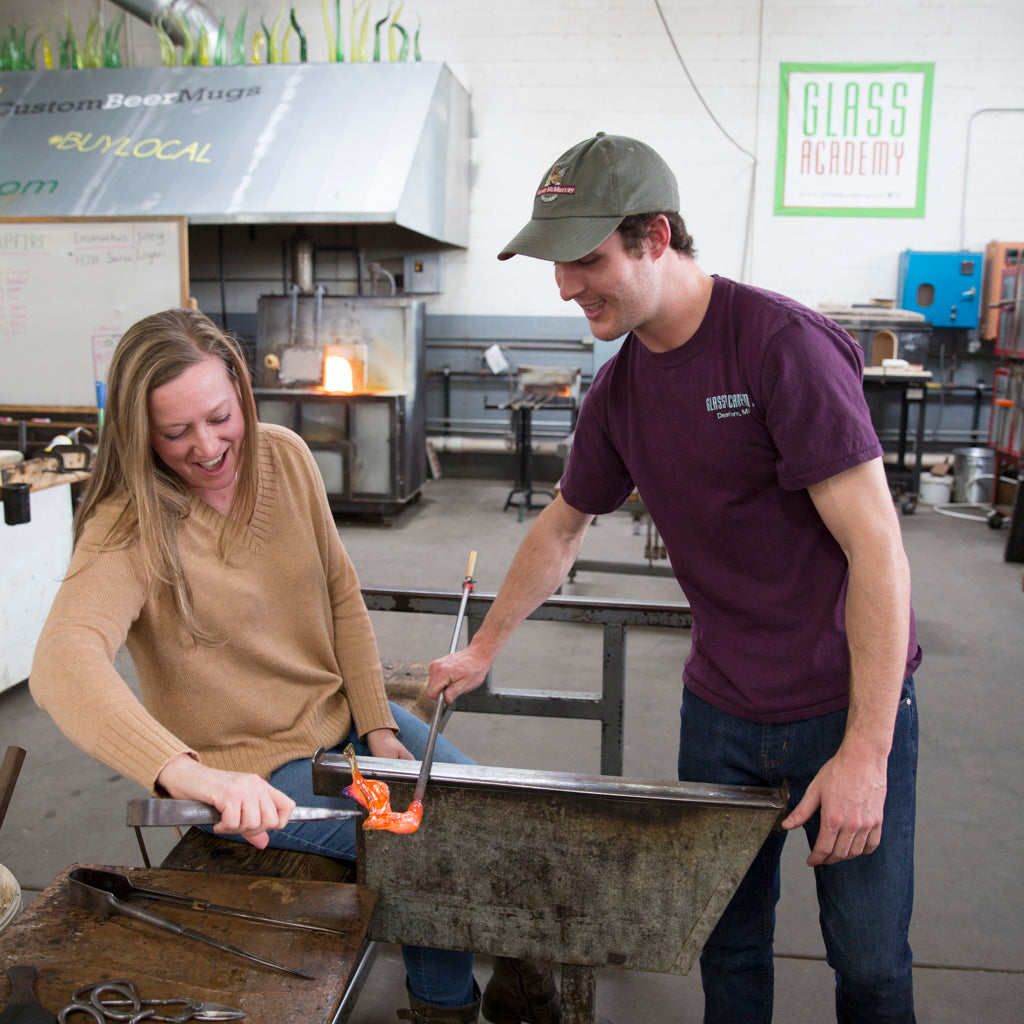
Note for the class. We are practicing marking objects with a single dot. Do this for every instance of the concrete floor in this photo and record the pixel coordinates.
(968, 927)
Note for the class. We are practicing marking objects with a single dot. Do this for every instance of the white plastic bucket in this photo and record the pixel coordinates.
(935, 490)
(10, 898)
(973, 469)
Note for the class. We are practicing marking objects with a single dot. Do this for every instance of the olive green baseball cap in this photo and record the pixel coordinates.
(587, 192)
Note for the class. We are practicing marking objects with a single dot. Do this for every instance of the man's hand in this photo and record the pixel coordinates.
(457, 673)
(249, 806)
(850, 791)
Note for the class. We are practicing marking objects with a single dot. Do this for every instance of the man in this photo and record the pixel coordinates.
(739, 417)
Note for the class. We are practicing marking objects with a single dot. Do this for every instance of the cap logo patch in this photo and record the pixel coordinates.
(553, 187)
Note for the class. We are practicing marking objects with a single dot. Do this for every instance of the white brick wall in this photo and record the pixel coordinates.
(544, 75)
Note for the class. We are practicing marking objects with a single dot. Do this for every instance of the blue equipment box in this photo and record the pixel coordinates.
(945, 287)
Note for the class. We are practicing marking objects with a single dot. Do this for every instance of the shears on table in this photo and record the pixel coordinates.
(107, 1002)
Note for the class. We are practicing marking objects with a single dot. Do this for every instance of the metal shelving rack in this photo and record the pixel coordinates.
(1006, 431)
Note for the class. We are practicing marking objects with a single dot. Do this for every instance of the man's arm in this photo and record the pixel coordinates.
(850, 788)
(544, 558)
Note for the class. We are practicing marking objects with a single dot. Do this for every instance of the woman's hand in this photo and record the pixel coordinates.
(384, 743)
(249, 806)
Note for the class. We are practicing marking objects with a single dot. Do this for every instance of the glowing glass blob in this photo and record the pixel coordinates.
(376, 798)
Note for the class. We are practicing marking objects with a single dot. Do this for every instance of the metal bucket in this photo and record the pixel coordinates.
(10, 898)
(973, 469)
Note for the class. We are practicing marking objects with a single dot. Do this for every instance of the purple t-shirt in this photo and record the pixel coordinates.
(721, 437)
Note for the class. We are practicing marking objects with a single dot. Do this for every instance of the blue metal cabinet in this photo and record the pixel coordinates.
(943, 286)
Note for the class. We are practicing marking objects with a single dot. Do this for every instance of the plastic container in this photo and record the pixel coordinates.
(935, 490)
(973, 469)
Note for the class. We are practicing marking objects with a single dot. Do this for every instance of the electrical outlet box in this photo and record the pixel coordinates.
(423, 275)
(945, 287)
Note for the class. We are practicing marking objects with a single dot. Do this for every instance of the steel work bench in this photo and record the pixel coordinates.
(616, 617)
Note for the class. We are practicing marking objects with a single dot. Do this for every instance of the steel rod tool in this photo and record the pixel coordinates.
(143, 811)
(435, 723)
(157, 811)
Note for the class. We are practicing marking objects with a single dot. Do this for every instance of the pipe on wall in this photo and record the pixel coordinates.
(492, 445)
(195, 14)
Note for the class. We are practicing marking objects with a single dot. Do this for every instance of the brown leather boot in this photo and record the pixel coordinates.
(427, 1013)
(521, 990)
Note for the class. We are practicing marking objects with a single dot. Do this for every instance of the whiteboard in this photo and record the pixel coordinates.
(70, 288)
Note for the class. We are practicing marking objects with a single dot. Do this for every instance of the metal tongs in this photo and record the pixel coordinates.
(109, 892)
(439, 710)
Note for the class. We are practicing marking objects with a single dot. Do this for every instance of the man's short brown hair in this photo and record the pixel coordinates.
(636, 227)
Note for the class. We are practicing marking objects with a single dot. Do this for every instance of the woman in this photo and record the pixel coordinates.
(205, 543)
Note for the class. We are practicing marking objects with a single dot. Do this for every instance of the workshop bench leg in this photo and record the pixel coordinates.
(578, 994)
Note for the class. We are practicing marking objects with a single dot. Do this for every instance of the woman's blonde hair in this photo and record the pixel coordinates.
(151, 353)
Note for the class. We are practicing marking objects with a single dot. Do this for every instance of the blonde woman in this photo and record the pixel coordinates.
(205, 543)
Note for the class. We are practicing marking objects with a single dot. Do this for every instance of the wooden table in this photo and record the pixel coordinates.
(71, 947)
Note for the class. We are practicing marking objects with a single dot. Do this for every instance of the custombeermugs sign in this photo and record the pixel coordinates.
(853, 139)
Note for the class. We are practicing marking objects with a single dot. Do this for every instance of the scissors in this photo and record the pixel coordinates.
(118, 1001)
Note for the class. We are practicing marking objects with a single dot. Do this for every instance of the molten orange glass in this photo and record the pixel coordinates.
(376, 798)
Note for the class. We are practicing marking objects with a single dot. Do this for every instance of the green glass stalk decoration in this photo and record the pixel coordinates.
(7, 50)
(273, 50)
(396, 28)
(416, 40)
(189, 51)
(238, 41)
(206, 51)
(71, 53)
(112, 45)
(360, 38)
(168, 54)
(47, 52)
(220, 49)
(303, 48)
(259, 47)
(327, 31)
(13, 55)
(376, 34)
(93, 55)
(335, 49)
(339, 49)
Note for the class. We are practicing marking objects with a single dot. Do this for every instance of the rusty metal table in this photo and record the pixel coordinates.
(71, 947)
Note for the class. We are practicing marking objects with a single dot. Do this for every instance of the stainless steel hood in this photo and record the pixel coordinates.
(364, 143)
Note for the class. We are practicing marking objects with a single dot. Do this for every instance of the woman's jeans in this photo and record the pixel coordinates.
(864, 903)
(438, 976)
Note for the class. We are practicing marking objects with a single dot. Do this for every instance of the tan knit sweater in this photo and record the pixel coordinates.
(299, 663)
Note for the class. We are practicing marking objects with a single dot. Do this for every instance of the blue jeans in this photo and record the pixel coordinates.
(439, 976)
(864, 904)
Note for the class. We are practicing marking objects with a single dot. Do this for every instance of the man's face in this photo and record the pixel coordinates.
(615, 289)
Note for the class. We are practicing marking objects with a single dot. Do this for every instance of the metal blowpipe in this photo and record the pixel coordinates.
(435, 724)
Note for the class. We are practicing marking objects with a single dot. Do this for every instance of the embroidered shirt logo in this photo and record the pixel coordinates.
(724, 406)
(553, 187)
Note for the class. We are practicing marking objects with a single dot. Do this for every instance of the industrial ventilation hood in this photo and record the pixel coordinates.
(361, 143)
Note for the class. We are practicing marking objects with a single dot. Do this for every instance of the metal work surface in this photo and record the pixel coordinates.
(590, 871)
(614, 616)
(71, 946)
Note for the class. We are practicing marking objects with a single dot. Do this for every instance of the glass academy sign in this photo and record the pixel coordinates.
(853, 139)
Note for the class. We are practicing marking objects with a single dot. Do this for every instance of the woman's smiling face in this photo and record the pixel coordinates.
(196, 428)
